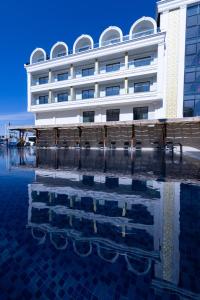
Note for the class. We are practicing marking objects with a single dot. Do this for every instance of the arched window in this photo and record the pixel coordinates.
(83, 43)
(37, 55)
(110, 36)
(143, 27)
(58, 50)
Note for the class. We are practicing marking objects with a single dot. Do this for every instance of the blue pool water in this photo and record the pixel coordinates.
(99, 225)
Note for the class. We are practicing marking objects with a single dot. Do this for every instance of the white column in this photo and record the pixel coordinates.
(50, 96)
(181, 70)
(72, 96)
(50, 76)
(161, 55)
(96, 67)
(29, 89)
(72, 71)
(126, 60)
(126, 85)
(96, 90)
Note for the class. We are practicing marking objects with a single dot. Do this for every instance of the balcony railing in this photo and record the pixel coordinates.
(103, 95)
(137, 63)
(107, 43)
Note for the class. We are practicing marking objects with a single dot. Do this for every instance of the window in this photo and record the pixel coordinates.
(112, 115)
(140, 87)
(191, 49)
(113, 67)
(192, 32)
(87, 94)
(192, 10)
(142, 62)
(62, 76)
(62, 97)
(43, 80)
(88, 116)
(87, 72)
(60, 54)
(191, 21)
(191, 106)
(140, 113)
(190, 77)
(112, 91)
(43, 99)
(83, 48)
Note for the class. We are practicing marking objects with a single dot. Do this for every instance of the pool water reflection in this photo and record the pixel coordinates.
(99, 225)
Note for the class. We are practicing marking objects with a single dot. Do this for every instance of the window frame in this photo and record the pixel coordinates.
(92, 116)
(109, 115)
(112, 87)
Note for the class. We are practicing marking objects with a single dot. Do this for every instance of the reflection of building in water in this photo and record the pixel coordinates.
(117, 216)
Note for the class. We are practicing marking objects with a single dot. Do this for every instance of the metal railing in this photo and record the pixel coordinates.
(136, 63)
(121, 93)
(107, 43)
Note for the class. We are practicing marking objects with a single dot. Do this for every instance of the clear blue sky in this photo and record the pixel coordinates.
(27, 24)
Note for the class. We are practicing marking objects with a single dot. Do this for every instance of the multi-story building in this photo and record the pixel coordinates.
(123, 77)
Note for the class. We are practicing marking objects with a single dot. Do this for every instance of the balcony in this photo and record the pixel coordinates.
(116, 94)
(106, 71)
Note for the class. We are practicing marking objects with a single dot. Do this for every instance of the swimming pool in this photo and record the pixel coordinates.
(99, 225)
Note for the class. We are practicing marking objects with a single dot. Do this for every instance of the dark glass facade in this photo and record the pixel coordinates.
(192, 63)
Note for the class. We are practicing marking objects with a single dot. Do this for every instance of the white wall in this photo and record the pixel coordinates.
(76, 116)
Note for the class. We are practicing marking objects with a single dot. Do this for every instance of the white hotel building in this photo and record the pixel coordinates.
(153, 72)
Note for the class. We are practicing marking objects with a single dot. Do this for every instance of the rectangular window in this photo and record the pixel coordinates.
(189, 108)
(87, 94)
(141, 62)
(191, 49)
(191, 105)
(112, 91)
(43, 80)
(140, 113)
(140, 87)
(62, 76)
(43, 99)
(87, 72)
(113, 67)
(112, 115)
(189, 77)
(62, 97)
(88, 116)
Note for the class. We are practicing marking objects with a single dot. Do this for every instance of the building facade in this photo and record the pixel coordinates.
(137, 76)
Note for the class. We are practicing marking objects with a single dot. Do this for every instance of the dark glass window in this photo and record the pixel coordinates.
(192, 32)
(43, 99)
(140, 113)
(87, 72)
(189, 108)
(88, 116)
(43, 80)
(190, 77)
(62, 76)
(192, 21)
(192, 10)
(62, 97)
(142, 87)
(112, 115)
(142, 62)
(192, 62)
(191, 49)
(87, 94)
(112, 67)
(112, 91)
